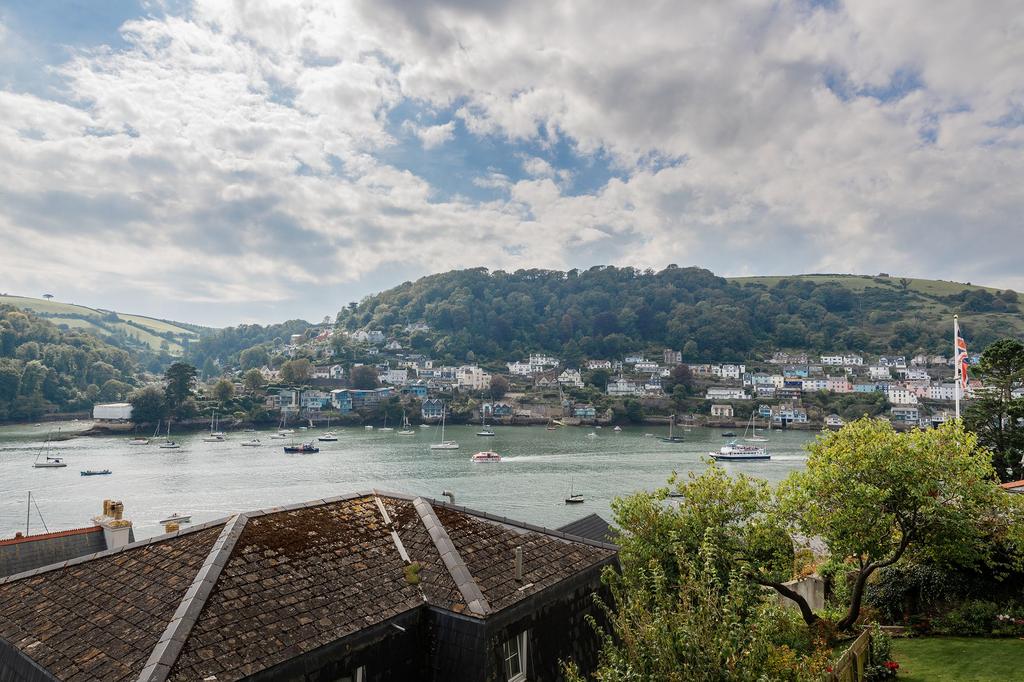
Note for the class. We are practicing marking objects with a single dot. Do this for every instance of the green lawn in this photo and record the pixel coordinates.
(959, 658)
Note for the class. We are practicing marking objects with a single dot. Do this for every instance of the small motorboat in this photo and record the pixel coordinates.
(328, 437)
(301, 448)
(728, 434)
(617, 429)
(368, 427)
(139, 441)
(486, 456)
(592, 434)
(278, 436)
(95, 472)
(251, 443)
(50, 463)
(214, 438)
(169, 445)
(177, 518)
(424, 426)
(485, 432)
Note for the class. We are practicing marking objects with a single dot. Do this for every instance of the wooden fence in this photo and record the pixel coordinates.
(851, 665)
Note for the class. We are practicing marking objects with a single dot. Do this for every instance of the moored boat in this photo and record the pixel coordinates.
(328, 437)
(95, 472)
(50, 463)
(177, 518)
(444, 444)
(251, 443)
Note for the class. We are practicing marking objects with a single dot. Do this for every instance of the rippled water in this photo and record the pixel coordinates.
(211, 480)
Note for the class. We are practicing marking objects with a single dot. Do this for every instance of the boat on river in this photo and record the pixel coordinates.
(737, 452)
(328, 437)
(169, 444)
(302, 448)
(574, 497)
(671, 438)
(95, 472)
(406, 426)
(486, 456)
(251, 443)
(177, 518)
(49, 463)
(752, 431)
(444, 444)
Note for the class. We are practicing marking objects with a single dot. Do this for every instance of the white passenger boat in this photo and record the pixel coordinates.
(486, 456)
(736, 452)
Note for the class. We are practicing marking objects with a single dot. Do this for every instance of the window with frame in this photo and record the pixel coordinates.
(513, 651)
(357, 675)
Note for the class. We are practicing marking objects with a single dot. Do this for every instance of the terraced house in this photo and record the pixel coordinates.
(369, 586)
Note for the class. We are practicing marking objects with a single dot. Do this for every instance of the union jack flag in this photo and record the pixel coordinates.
(961, 358)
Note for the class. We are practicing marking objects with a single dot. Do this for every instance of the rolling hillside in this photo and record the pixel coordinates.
(129, 330)
(606, 311)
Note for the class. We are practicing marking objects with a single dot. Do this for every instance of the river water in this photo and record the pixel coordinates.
(212, 480)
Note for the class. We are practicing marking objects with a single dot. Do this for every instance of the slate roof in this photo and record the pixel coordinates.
(23, 553)
(592, 527)
(238, 596)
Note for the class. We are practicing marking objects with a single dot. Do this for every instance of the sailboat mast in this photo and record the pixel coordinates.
(28, 511)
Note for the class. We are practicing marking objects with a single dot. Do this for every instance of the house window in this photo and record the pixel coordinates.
(513, 651)
(357, 675)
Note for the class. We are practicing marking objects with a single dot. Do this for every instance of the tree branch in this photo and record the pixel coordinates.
(805, 610)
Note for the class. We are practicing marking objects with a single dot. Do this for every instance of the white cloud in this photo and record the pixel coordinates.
(236, 154)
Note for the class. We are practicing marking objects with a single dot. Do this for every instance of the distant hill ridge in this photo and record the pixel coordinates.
(606, 311)
(128, 329)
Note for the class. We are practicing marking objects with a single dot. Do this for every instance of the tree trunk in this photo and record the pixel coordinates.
(805, 610)
(858, 594)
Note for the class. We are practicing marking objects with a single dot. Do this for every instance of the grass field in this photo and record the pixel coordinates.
(937, 659)
(83, 316)
(928, 287)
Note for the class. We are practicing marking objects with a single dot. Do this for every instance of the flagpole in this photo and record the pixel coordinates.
(956, 365)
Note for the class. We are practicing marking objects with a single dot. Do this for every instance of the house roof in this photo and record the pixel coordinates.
(241, 595)
(1013, 486)
(25, 552)
(590, 526)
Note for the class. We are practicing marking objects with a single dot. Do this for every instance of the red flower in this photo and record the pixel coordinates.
(892, 665)
(828, 669)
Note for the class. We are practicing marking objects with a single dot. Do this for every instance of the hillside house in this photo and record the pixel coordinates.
(431, 409)
(905, 414)
(623, 387)
(571, 377)
(585, 412)
(599, 364)
(726, 393)
(671, 357)
(834, 421)
(722, 410)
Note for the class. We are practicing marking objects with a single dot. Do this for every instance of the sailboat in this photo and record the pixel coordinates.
(672, 438)
(574, 497)
(752, 428)
(142, 440)
(169, 444)
(484, 431)
(385, 427)
(49, 462)
(282, 432)
(444, 444)
(551, 426)
(330, 436)
(406, 426)
(215, 436)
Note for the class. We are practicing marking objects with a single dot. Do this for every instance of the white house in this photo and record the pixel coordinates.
(539, 362)
(599, 364)
(892, 361)
(472, 377)
(852, 360)
(633, 359)
(722, 410)
(671, 357)
(729, 370)
(571, 377)
(646, 366)
(942, 392)
(879, 372)
(328, 372)
(521, 369)
(726, 393)
(395, 377)
(834, 421)
(832, 360)
(812, 385)
(900, 395)
(620, 386)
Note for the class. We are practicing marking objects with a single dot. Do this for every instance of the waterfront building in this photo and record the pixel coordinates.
(723, 411)
(431, 409)
(725, 393)
(112, 411)
(834, 421)
(905, 414)
(584, 411)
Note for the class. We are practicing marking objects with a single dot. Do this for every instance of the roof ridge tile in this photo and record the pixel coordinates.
(475, 600)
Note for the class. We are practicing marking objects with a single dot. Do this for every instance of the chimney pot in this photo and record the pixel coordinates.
(450, 495)
(519, 564)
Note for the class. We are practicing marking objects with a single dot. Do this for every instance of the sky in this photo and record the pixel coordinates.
(253, 161)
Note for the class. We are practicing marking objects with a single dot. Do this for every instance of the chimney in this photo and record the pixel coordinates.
(450, 495)
(519, 564)
(171, 527)
(117, 531)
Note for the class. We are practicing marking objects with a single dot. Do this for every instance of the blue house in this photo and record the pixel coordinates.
(502, 410)
(341, 399)
(415, 390)
(584, 412)
(432, 408)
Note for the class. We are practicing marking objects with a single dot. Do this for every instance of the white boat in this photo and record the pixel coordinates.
(752, 430)
(617, 429)
(735, 452)
(139, 441)
(486, 456)
(592, 434)
(406, 426)
(424, 426)
(278, 436)
(177, 518)
(50, 463)
(216, 435)
(484, 431)
(251, 443)
(328, 437)
(169, 444)
(444, 444)
(213, 438)
(368, 427)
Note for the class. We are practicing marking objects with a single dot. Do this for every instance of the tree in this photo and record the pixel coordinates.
(254, 357)
(995, 413)
(634, 411)
(114, 390)
(364, 377)
(598, 378)
(148, 405)
(875, 496)
(179, 377)
(223, 390)
(499, 386)
(296, 371)
(253, 380)
(680, 375)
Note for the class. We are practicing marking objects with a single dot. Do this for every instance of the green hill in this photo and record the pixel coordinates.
(124, 329)
(608, 311)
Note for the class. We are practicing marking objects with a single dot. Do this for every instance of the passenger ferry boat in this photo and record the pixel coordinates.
(302, 448)
(737, 452)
